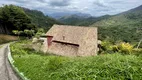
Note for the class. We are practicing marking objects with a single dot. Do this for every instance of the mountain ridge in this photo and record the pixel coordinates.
(40, 19)
(62, 14)
(81, 21)
(122, 27)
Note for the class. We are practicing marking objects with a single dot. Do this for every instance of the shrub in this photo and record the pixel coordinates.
(105, 47)
(125, 48)
(115, 48)
(122, 47)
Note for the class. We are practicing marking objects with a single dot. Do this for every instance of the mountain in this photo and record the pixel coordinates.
(63, 14)
(124, 26)
(81, 21)
(39, 19)
(83, 15)
(71, 19)
(136, 9)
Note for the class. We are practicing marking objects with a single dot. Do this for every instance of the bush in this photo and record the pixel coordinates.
(105, 47)
(123, 47)
(20, 48)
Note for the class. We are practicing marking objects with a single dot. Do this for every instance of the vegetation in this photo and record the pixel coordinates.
(124, 48)
(126, 27)
(16, 32)
(29, 33)
(123, 63)
(121, 47)
(39, 19)
(7, 38)
(14, 18)
(81, 21)
(39, 32)
(36, 65)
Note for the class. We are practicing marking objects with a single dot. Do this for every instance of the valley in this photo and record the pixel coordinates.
(115, 43)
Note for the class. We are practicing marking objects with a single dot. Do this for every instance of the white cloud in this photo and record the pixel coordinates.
(59, 2)
(93, 7)
(100, 3)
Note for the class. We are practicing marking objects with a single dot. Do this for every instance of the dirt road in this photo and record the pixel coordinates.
(6, 72)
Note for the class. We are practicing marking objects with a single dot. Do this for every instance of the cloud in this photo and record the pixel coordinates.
(59, 2)
(100, 3)
(93, 7)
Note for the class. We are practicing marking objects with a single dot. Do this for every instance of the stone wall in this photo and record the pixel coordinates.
(63, 49)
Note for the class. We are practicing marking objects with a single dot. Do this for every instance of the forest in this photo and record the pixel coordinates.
(17, 18)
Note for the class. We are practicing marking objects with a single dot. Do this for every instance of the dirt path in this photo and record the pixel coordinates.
(6, 72)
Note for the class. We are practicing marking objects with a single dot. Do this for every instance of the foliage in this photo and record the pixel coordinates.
(105, 47)
(81, 21)
(117, 33)
(39, 32)
(29, 33)
(17, 18)
(125, 26)
(37, 66)
(14, 18)
(123, 47)
(17, 32)
(39, 19)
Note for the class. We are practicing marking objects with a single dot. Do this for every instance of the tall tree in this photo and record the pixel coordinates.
(14, 18)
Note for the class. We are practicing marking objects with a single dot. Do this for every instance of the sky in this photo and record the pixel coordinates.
(93, 7)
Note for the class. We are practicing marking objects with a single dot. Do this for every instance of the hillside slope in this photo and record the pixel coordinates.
(81, 21)
(39, 19)
(59, 15)
(13, 17)
(125, 26)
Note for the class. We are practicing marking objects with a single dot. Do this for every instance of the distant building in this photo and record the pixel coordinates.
(72, 40)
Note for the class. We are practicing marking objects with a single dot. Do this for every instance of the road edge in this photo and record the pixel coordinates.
(11, 61)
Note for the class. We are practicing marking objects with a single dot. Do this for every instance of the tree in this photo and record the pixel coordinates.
(39, 32)
(14, 18)
(29, 33)
(17, 32)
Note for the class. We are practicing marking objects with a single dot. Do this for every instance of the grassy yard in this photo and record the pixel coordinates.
(37, 66)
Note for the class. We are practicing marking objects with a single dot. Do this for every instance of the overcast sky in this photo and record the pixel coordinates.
(93, 7)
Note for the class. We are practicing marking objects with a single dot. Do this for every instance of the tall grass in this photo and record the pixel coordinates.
(7, 38)
(50, 67)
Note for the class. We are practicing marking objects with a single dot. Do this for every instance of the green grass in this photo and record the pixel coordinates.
(37, 66)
